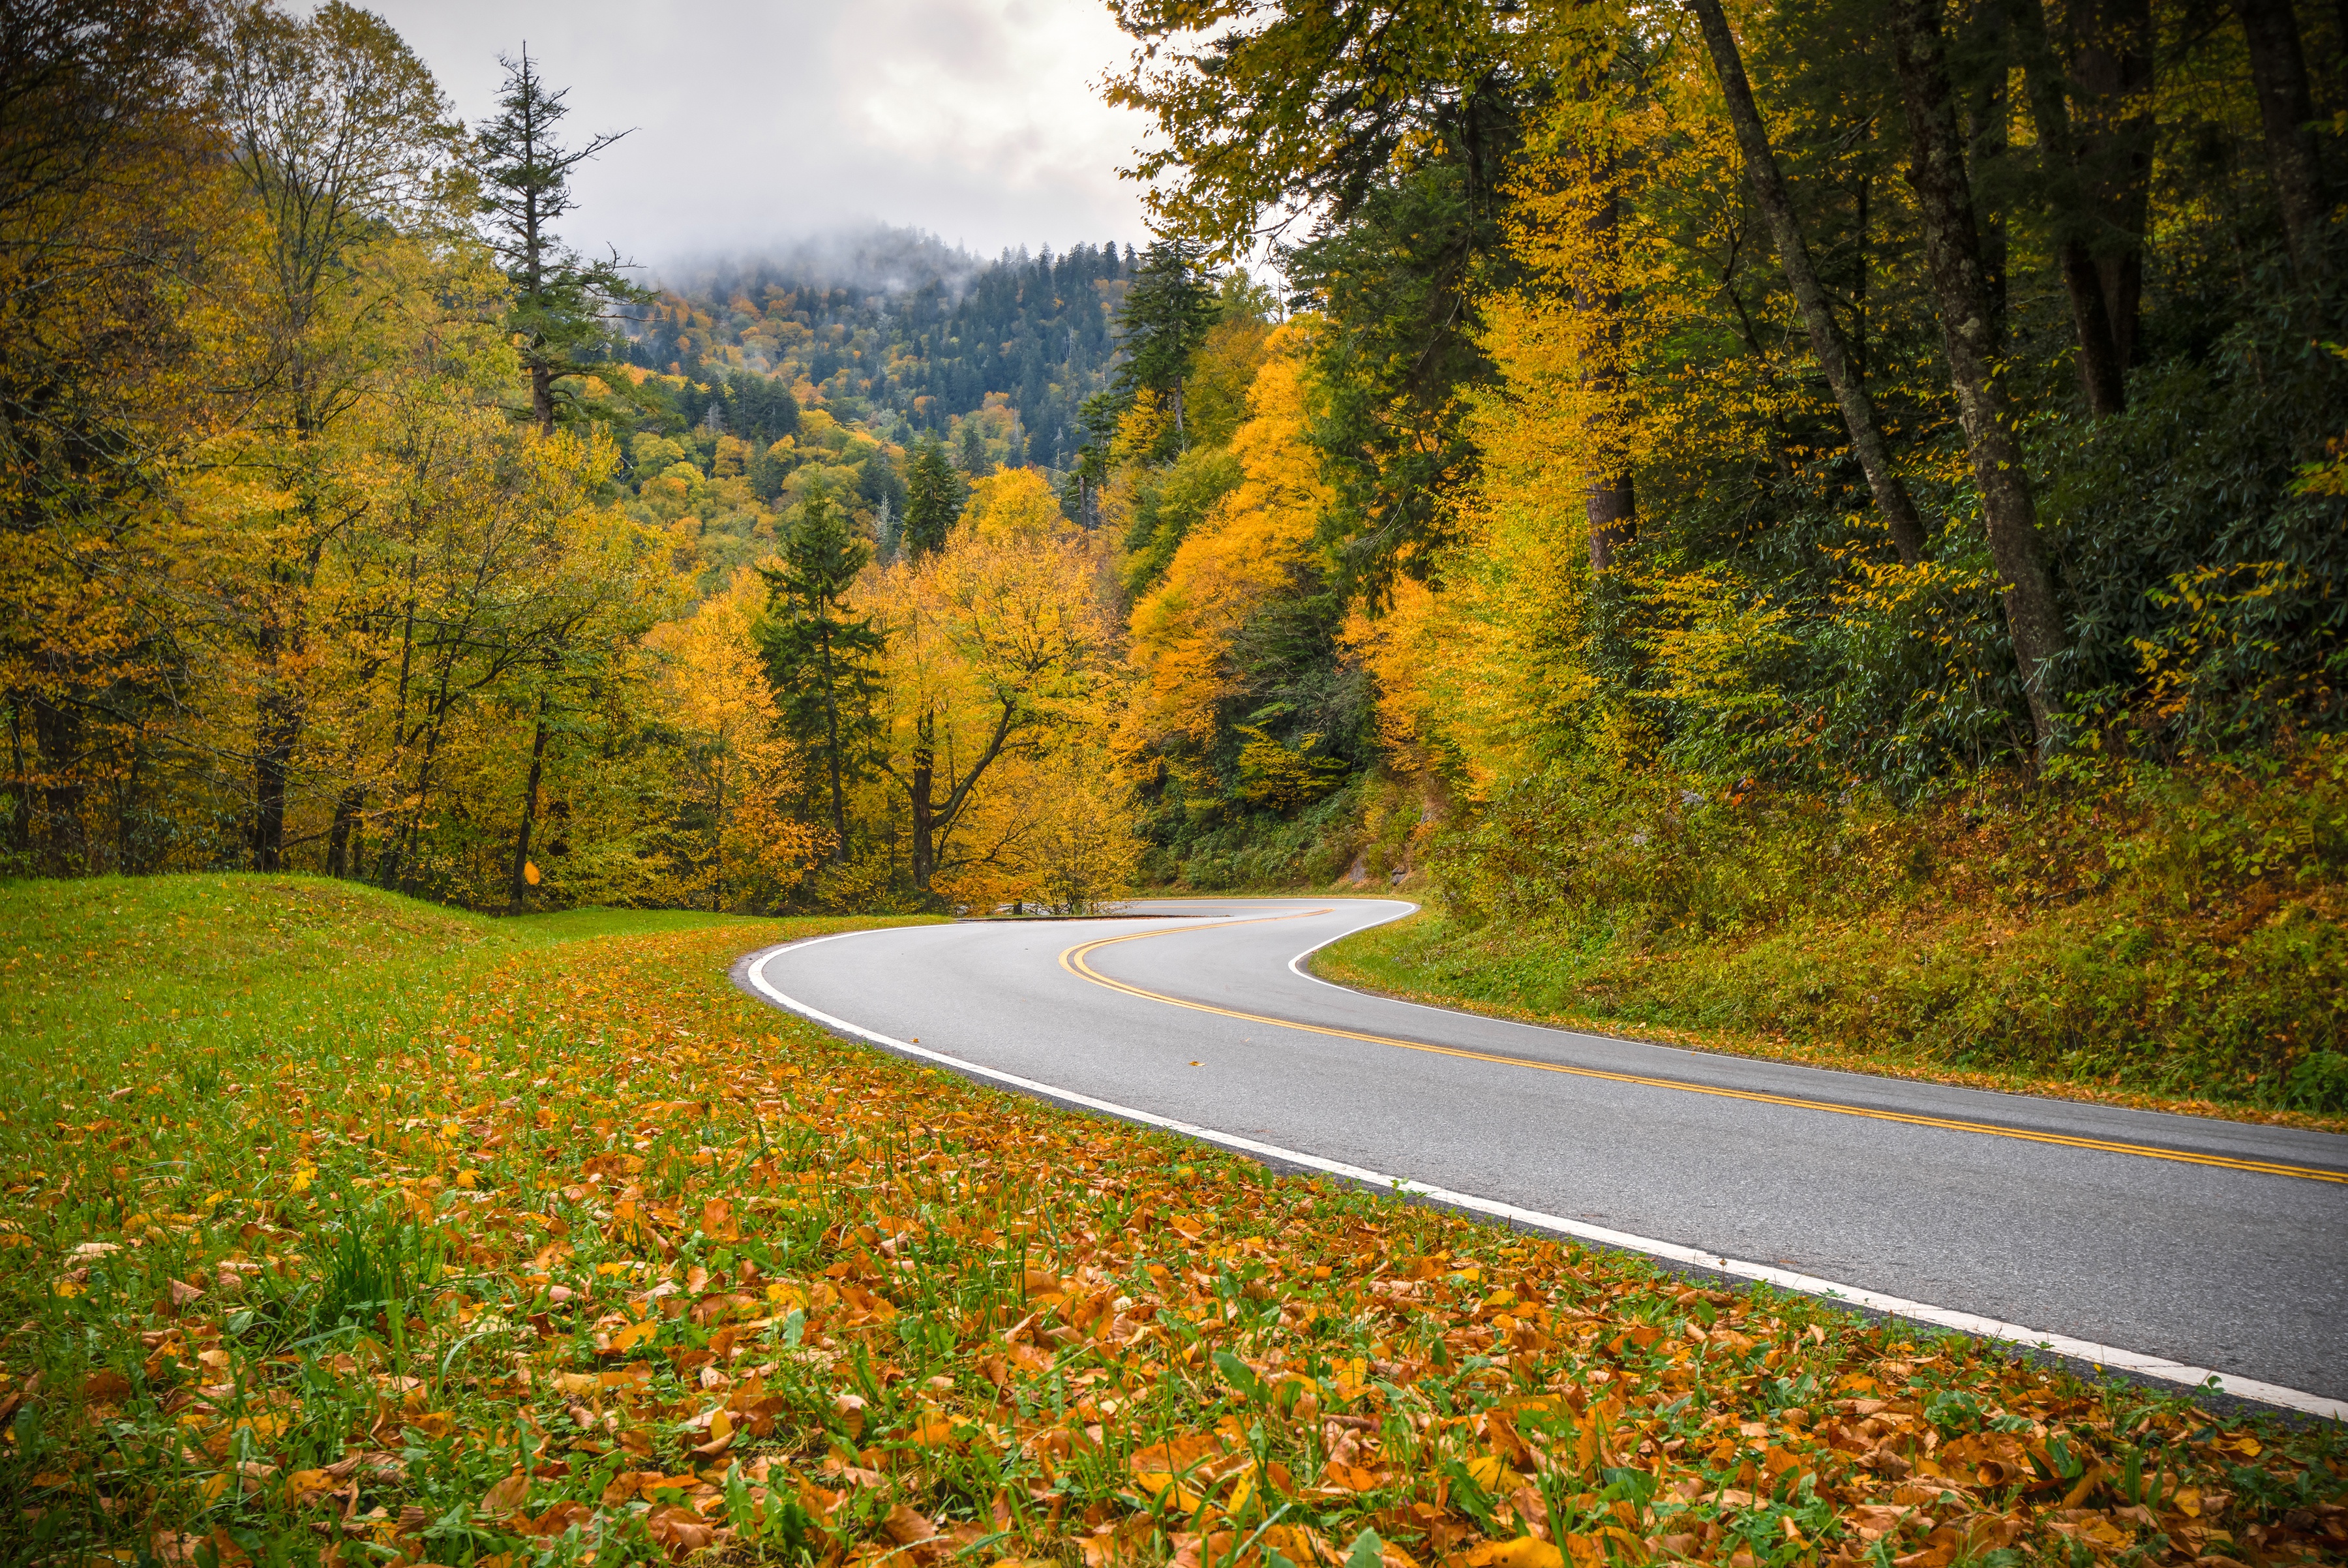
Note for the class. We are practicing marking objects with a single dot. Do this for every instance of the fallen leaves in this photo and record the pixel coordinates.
(682, 1276)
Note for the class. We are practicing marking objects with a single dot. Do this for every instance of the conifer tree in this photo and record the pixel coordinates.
(561, 301)
(933, 497)
(1165, 318)
(819, 659)
(975, 464)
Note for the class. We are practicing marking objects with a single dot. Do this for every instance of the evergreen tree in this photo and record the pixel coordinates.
(819, 659)
(561, 302)
(933, 497)
(1172, 302)
(879, 484)
(974, 452)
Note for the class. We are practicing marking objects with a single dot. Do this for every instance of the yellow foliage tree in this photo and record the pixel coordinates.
(999, 644)
(740, 846)
(1012, 505)
(1250, 546)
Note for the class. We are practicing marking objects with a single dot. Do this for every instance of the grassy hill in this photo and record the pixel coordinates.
(343, 1227)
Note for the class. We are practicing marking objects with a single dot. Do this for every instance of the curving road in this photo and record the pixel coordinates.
(2173, 1245)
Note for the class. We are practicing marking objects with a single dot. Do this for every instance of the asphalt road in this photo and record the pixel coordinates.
(2165, 1246)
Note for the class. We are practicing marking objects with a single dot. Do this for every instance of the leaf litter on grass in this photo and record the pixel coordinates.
(573, 1261)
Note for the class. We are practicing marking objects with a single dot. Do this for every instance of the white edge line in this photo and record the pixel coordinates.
(2100, 1355)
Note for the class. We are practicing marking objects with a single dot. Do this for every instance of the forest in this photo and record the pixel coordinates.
(361, 523)
(1601, 466)
(900, 331)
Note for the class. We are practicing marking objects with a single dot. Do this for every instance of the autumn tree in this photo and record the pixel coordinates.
(819, 656)
(1829, 344)
(1952, 250)
(112, 226)
(997, 642)
(742, 759)
(562, 302)
(340, 134)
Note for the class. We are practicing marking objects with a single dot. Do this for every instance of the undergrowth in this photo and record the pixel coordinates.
(2171, 932)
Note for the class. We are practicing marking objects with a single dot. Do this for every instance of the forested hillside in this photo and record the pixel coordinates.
(897, 328)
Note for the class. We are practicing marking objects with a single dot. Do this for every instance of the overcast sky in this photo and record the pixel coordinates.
(762, 120)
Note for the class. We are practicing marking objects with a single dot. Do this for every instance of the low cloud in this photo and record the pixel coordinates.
(761, 122)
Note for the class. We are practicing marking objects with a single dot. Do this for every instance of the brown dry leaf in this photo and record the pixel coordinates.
(507, 1496)
(905, 1525)
(680, 1530)
(105, 1388)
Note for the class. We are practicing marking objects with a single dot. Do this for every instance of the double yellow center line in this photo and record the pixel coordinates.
(1074, 960)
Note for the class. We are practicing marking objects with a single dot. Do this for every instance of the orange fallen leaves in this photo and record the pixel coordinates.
(724, 1284)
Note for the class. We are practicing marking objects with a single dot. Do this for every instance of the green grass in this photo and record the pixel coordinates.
(378, 1235)
(109, 953)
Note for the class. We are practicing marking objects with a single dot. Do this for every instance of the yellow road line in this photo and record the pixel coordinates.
(1073, 960)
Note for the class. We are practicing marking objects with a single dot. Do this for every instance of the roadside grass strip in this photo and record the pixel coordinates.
(514, 1253)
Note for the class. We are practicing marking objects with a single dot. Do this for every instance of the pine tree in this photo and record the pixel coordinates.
(561, 302)
(1172, 302)
(819, 659)
(974, 463)
(933, 497)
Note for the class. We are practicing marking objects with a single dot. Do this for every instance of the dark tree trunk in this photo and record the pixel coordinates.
(2279, 75)
(517, 888)
(275, 737)
(20, 804)
(1826, 345)
(341, 846)
(2101, 363)
(541, 397)
(2113, 68)
(1990, 135)
(57, 732)
(1612, 505)
(1953, 254)
(831, 753)
(1614, 519)
(2101, 377)
(924, 809)
(1858, 335)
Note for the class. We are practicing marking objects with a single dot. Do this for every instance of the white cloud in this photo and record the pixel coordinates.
(977, 119)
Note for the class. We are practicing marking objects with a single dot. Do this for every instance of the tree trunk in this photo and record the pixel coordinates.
(2112, 147)
(2101, 362)
(924, 811)
(831, 749)
(275, 737)
(518, 889)
(541, 397)
(1988, 133)
(1612, 504)
(342, 849)
(2279, 75)
(1953, 254)
(58, 731)
(1613, 519)
(20, 807)
(1826, 343)
(1859, 338)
